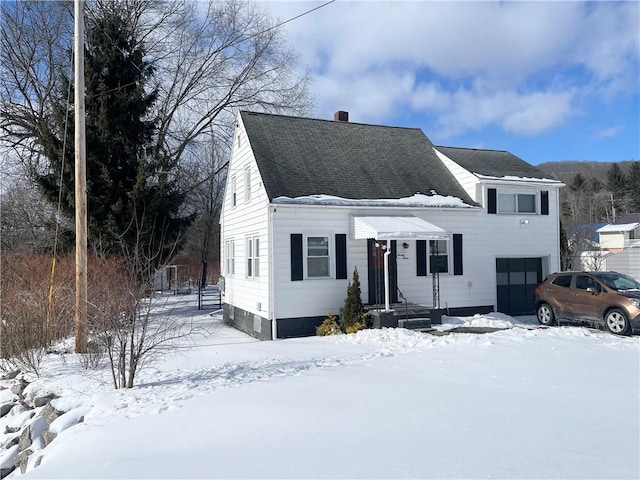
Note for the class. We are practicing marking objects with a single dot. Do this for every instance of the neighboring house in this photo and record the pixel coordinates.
(622, 239)
(621, 234)
(307, 201)
(590, 260)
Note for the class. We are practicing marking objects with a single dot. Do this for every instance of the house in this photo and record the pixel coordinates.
(622, 239)
(621, 234)
(308, 201)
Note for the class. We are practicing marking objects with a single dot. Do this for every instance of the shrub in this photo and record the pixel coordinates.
(353, 317)
(329, 326)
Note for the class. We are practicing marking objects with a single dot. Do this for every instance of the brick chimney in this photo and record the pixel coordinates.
(341, 116)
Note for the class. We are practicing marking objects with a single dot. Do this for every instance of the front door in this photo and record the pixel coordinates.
(375, 259)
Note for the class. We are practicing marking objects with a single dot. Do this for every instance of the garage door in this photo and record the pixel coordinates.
(516, 279)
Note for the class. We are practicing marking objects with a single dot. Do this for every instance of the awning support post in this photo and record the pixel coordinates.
(386, 278)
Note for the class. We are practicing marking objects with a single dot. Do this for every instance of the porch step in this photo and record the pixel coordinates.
(414, 323)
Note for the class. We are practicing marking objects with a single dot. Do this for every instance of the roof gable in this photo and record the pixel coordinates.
(300, 157)
(492, 163)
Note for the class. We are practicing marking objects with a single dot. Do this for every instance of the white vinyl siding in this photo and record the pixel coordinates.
(241, 221)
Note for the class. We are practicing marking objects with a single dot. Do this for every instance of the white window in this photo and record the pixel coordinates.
(230, 257)
(438, 256)
(247, 184)
(516, 203)
(233, 191)
(318, 261)
(253, 257)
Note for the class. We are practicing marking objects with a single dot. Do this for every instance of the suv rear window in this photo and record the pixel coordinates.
(562, 281)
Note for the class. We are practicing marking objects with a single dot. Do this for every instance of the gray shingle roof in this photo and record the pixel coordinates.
(627, 218)
(303, 156)
(493, 163)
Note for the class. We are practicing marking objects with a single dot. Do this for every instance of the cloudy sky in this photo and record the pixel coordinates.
(544, 80)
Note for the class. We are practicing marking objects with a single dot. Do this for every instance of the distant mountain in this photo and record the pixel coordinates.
(566, 170)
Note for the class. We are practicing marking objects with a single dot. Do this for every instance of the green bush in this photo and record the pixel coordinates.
(329, 326)
(353, 317)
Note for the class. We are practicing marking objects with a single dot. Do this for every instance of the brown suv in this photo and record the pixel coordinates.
(608, 298)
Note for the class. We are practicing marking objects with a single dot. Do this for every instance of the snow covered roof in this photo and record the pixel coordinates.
(494, 164)
(395, 228)
(304, 157)
(418, 200)
(614, 228)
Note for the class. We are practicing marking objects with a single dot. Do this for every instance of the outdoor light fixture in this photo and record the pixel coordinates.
(405, 245)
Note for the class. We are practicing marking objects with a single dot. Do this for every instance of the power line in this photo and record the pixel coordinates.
(242, 39)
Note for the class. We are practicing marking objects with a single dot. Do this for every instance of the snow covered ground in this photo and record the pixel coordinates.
(524, 402)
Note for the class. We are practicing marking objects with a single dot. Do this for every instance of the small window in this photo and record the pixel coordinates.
(247, 184)
(230, 257)
(506, 203)
(318, 257)
(438, 256)
(562, 281)
(233, 192)
(516, 203)
(253, 257)
(526, 203)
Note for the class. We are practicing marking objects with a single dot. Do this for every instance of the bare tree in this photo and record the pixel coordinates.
(206, 197)
(210, 59)
(129, 327)
(27, 222)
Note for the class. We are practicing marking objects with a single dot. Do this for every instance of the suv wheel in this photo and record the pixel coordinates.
(616, 322)
(545, 315)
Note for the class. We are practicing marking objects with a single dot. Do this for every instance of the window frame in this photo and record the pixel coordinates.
(234, 191)
(329, 256)
(447, 255)
(230, 257)
(502, 195)
(247, 184)
(253, 257)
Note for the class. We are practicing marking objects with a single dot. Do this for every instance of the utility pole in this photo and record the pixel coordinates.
(81, 181)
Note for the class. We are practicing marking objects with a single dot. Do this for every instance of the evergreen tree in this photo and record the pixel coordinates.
(351, 317)
(617, 184)
(565, 250)
(633, 181)
(133, 202)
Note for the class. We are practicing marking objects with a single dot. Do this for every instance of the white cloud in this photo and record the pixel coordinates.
(525, 66)
(608, 133)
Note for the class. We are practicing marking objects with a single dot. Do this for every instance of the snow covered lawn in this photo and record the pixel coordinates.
(525, 402)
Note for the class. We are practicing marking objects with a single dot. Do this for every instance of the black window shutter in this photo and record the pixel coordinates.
(457, 254)
(341, 255)
(544, 202)
(421, 258)
(296, 257)
(492, 200)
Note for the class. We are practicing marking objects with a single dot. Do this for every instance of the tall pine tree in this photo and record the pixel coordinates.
(633, 183)
(133, 200)
(617, 184)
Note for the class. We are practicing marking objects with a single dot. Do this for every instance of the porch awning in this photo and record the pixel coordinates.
(395, 228)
